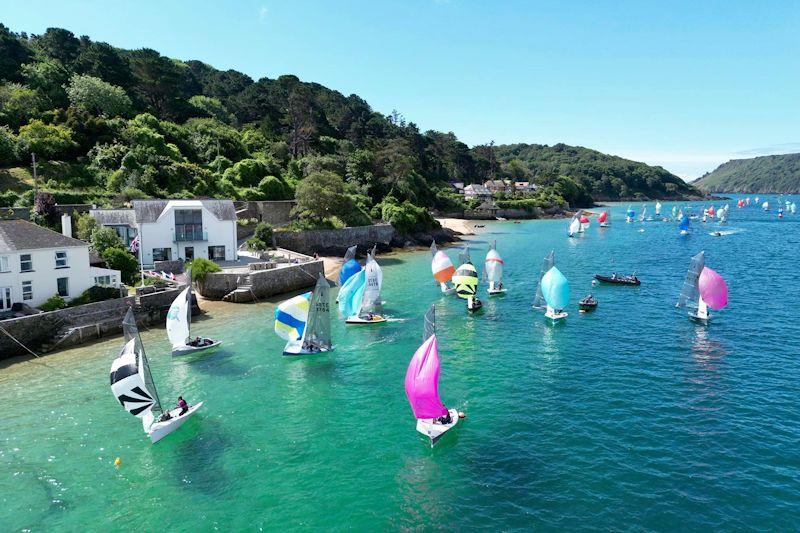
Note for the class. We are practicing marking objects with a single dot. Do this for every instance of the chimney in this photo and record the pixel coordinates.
(66, 225)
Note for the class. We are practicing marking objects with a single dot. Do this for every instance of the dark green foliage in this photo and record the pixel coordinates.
(602, 176)
(406, 217)
(197, 131)
(53, 303)
(202, 267)
(322, 201)
(117, 258)
(104, 239)
(766, 174)
(262, 237)
(95, 294)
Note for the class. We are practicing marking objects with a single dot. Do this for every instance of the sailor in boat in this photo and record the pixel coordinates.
(183, 405)
(444, 420)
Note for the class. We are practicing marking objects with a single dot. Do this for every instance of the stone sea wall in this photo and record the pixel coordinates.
(335, 241)
(75, 325)
(264, 283)
(276, 213)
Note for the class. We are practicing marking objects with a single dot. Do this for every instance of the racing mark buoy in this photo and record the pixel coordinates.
(117, 461)
(462, 414)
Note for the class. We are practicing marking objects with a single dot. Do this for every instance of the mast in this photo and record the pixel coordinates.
(189, 303)
(547, 264)
(130, 331)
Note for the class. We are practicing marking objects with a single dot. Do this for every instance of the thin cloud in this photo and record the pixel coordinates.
(262, 13)
(775, 149)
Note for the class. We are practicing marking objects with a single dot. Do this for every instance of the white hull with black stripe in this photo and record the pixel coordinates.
(187, 349)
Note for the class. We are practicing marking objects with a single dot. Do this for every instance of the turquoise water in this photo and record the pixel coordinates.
(631, 417)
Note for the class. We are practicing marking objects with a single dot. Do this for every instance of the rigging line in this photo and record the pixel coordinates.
(10, 336)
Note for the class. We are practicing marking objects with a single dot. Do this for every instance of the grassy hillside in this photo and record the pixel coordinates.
(767, 174)
(605, 177)
(108, 125)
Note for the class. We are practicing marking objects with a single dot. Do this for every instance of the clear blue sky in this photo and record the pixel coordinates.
(686, 85)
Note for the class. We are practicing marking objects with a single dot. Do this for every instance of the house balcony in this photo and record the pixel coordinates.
(190, 236)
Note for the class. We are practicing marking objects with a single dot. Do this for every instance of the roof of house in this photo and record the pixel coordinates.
(23, 235)
(147, 211)
(496, 183)
(114, 217)
(476, 187)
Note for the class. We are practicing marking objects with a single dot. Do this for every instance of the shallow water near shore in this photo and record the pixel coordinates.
(628, 417)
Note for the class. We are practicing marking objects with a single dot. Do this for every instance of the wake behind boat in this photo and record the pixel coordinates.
(179, 323)
(133, 385)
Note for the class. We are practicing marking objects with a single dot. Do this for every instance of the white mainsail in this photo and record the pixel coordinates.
(371, 300)
(317, 333)
(690, 292)
(178, 318)
(574, 226)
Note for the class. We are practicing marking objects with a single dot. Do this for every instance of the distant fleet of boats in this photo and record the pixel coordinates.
(304, 321)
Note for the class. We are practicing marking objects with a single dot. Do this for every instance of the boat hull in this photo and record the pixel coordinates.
(496, 291)
(616, 281)
(299, 350)
(376, 319)
(556, 317)
(192, 350)
(159, 430)
(434, 432)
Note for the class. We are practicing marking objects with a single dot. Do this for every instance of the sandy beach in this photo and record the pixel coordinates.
(462, 226)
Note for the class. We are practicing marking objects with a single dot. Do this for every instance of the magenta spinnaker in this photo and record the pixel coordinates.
(713, 289)
(422, 381)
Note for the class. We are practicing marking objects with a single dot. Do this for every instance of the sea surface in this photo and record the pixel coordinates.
(631, 417)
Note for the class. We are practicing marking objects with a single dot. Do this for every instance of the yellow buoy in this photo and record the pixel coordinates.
(117, 461)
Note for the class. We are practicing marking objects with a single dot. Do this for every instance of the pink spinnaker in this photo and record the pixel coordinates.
(422, 381)
(713, 289)
(602, 216)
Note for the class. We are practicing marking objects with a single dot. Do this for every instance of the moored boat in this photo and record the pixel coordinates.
(588, 303)
(618, 279)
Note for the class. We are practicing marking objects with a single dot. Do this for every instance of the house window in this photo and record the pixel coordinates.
(216, 253)
(5, 265)
(63, 286)
(27, 290)
(162, 254)
(189, 225)
(5, 298)
(61, 260)
(103, 281)
(25, 263)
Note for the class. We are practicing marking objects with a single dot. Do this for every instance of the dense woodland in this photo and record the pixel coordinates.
(767, 174)
(108, 125)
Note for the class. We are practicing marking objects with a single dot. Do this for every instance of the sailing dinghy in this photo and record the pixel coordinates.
(702, 288)
(442, 269)
(179, 323)
(305, 321)
(547, 264)
(602, 218)
(574, 225)
(350, 267)
(685, 225)
(466, 282)
(360, 296)
(555, 290)
(422, 386)
(133, 386)
(493, 270)
(629, 216)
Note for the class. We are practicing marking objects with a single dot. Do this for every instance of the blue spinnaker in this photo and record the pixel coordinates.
(351, 295)
(685, 224)
(348, 269)
(555, 289)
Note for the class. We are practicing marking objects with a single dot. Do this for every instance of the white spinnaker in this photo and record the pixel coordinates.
(372, 291)
(493, 266)
(178, 319)
(574, 226)
(128, 382)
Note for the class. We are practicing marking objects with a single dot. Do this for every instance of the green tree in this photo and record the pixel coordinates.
(8, 142)
(59, 44)
(85, 224)
(48, 76)
(201, 267)
(98, 97)
(211, 107)
(13, 54)
(262, 237)
(53, 303)
(158, 80)
(321, 196)
(45, 140)
(250, 172)
(273, 188)
(104, 238)
(120, 259)
(103, 61)
(19, 104)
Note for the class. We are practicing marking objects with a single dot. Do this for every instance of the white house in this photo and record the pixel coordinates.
(176, 229)
(37, 263)
(476, 190)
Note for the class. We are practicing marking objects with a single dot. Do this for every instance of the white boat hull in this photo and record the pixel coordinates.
(698, 318)
(376, 319)
(556, 317)
(604, 224)
(299, 350)
(684, 232)
(159, 430)
(434, 431)
(496, 291)
(191, 350)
